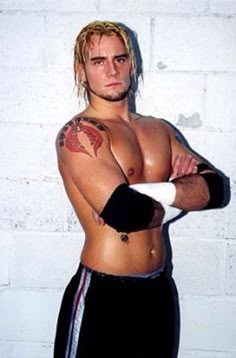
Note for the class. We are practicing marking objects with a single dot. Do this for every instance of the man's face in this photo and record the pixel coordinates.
(106, 70)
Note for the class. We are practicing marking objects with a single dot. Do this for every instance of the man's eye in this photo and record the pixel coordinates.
(98, 62)
(121, 59)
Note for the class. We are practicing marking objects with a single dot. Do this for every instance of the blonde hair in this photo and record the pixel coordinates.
(84, 38)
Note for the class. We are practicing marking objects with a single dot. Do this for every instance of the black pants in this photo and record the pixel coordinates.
(106, 316)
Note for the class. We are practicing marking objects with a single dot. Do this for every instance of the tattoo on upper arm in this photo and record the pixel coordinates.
(69, 136)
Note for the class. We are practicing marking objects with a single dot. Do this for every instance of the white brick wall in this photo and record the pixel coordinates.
(189, 57)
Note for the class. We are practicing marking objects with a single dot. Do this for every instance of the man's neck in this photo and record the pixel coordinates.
(103, 109)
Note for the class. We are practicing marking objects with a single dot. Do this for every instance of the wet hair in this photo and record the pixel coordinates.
(83, 39)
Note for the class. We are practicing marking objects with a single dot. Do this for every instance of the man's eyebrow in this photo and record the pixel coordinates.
(121, 55)
(96, 58)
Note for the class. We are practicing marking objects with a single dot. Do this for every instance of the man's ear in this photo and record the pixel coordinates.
(132, 71)
(81, 73)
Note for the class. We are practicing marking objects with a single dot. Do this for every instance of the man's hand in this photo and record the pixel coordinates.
(97, 218)
(183, 165)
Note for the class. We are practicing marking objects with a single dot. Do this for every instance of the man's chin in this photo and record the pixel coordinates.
(116, 98)
(111, 97)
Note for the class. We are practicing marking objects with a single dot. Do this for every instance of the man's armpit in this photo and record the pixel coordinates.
(76, 131)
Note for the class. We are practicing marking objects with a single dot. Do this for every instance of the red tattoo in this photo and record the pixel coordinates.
(72, 141)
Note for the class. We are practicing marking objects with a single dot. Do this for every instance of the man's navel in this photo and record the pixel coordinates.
(153, 251)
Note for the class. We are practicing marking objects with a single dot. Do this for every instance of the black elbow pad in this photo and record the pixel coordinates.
(216, 189)
(127, 210)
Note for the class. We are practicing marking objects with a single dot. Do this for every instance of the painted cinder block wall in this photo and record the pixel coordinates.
(189, 60)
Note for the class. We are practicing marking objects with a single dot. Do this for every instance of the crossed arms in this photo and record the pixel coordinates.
(84, 153)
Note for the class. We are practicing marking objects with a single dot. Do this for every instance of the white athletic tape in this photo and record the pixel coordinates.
(170, 213)
(164, 193)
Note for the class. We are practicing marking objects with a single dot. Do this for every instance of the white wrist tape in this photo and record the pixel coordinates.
(170, 213)
(164, 193)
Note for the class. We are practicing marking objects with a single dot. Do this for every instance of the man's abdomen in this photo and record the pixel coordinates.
(141, 252)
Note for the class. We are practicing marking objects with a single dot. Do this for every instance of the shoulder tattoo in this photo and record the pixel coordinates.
(69, 136)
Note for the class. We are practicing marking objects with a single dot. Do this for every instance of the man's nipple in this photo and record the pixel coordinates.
(130, 172)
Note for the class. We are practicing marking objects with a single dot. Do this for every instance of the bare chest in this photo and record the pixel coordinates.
(143, 153)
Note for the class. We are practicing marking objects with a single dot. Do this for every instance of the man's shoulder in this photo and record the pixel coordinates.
(81, 135)
(155, 122)
(78, 123)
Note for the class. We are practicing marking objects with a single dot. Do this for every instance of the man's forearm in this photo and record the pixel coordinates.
(146, 205)
(192, 193)
(164, 195)
(128, 210)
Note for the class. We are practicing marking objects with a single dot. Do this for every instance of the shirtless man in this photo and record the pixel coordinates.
(118, 164)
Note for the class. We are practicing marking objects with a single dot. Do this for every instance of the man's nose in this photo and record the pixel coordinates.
(112, 69)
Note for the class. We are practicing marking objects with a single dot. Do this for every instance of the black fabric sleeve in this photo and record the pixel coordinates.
(216, 190)
(215, 186)
(127, 210)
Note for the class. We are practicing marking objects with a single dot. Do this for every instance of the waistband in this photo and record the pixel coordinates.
(132, 277)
